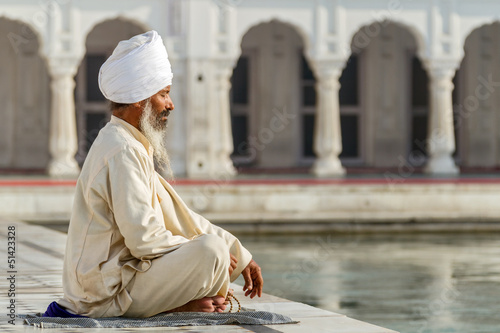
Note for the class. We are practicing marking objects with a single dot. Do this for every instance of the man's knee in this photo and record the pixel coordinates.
(213, 244)
(214, 248)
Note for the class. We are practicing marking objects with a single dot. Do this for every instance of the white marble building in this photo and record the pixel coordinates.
(319, 84)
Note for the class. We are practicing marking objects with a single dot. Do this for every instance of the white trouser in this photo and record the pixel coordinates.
(197, 269)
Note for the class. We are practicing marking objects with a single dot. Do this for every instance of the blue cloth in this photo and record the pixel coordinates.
(55, 310)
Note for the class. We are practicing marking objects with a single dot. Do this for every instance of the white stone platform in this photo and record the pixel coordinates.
(297, 204)
(38, 269)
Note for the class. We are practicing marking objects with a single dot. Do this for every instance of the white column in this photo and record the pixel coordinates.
(327, 134)
(441, 137)
(63, 139)
(222, 163)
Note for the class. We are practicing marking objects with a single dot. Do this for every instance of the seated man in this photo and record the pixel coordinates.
(134, 248)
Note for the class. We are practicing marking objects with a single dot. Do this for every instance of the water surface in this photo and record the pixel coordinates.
(410, 283)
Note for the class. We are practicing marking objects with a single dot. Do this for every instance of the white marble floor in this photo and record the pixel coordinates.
(34, 275)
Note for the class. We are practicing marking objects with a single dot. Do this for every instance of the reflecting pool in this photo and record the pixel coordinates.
(407, 282)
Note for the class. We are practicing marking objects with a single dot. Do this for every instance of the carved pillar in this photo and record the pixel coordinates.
(210, 140)
(62, 138)
(222, 163)
(327, 134)
(441, 137)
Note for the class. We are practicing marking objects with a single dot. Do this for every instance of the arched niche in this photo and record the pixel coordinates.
(477, 104)
(384, 98)
(25, 96)
(271, 104)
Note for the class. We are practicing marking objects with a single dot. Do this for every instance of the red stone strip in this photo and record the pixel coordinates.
(298, 181)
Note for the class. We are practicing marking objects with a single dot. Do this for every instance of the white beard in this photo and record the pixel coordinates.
(154, 129)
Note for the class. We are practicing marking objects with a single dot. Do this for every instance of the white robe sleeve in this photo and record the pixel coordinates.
(194, 225)
(235, 247)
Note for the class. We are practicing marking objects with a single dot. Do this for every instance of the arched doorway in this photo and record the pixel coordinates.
(25, 96)
(383, 98)
(477, 110)
(270, 106)
(92, 109)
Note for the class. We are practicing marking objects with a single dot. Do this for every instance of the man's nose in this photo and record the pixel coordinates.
(170, 105)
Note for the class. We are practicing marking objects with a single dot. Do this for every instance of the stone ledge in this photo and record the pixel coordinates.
(323, 205)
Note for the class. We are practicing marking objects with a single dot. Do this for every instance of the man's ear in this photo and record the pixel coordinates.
(138, 105)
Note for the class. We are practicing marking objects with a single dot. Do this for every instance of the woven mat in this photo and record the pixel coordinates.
(163, 320)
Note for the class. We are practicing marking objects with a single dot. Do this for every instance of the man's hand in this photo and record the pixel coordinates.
(234, 264)
(253, 280)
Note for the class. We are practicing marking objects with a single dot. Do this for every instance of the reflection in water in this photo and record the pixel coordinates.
(411, 283)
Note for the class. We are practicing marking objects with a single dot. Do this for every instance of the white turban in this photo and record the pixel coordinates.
(137, 69)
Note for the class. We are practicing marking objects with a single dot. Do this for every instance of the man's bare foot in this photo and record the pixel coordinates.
(206, 304)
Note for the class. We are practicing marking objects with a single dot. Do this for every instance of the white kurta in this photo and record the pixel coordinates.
(125, 217)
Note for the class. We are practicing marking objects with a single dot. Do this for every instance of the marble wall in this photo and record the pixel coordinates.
(205, 39)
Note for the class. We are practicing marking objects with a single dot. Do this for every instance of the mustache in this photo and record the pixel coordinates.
(165, 113)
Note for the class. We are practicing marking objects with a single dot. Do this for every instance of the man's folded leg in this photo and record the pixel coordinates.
(197, 269)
